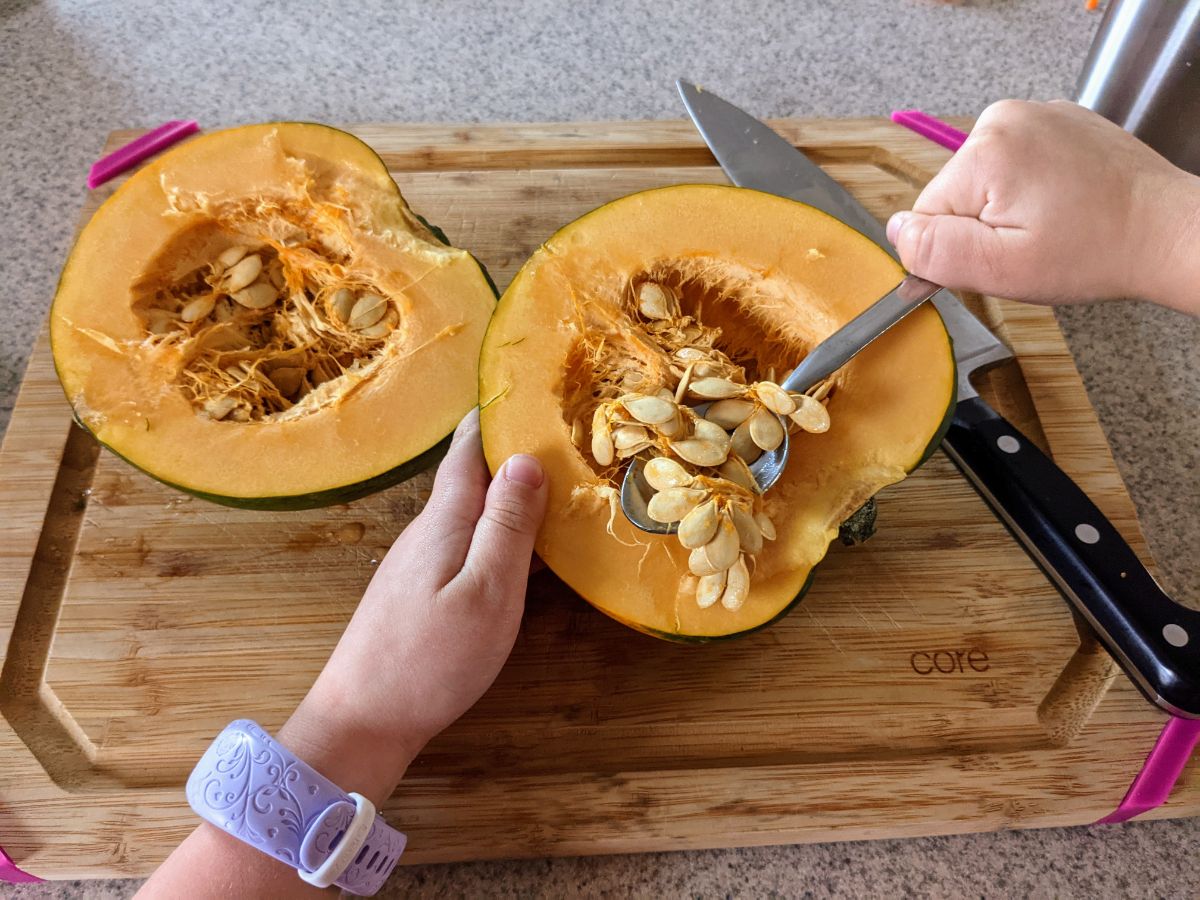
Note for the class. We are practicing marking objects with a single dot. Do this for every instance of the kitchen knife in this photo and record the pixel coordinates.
(1154, 639)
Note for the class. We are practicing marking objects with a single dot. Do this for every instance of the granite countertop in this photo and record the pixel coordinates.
(75, 69)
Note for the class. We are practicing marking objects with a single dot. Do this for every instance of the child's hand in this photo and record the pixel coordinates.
(434, 627)
(1052, 203)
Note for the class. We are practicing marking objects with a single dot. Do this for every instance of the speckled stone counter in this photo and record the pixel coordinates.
(72, 71)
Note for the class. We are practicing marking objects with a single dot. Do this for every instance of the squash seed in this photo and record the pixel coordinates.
(383, 327)
(684, 380)
(743, 445)
(729, 414)
(765, 525)
(704, 430)
(749, 534)
(198, 309)
(232, 255)
(775, 398)
(766, 430)
(699, 526)
(602, 443)
(722, 551)
(655, 301)
(256, 296)
(716, 388)
(710, 589)
(219, 407)
(699, 452)
(243, 274)
(628, 435)
(634, 450)
(737, 585)
(812, 416)
(651, 410)
(699, 564)
(369, 309)
(673, 504)
(821, 391)
(275, 274)
(736, 471)
(341, 303)
(663, 473)
(158, 321)
(671, 428)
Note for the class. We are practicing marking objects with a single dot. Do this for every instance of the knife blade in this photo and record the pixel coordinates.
(1154, 639)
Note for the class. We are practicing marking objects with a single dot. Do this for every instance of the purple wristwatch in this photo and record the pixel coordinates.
(250, 786)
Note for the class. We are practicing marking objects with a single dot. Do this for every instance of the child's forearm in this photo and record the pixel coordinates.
(212, 864)
(1175, 281)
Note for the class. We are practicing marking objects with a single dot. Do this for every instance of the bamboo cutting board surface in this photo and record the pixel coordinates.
(932, 681)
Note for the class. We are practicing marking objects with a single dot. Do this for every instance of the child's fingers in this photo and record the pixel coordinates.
(442, 532)
(957, 251)
(501, 549)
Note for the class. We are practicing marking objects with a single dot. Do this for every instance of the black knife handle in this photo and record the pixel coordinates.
(1154, 639)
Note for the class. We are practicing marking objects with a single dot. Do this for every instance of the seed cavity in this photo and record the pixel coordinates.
(262, 325)
(697, 429)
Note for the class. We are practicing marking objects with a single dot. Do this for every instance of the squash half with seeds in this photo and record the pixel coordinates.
(616, 332)
(258, 318)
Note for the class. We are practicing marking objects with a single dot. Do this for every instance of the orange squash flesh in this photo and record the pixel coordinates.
(370, 428)
(777, 276)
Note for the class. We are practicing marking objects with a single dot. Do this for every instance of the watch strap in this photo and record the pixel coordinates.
(252, 787)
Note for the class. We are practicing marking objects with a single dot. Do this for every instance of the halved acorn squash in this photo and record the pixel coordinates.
(258, 318)
(586, 352)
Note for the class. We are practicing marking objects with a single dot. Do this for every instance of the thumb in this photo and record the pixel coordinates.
(955, 251)
(503, 542)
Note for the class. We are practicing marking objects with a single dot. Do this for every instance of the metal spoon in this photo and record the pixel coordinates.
(828, 356)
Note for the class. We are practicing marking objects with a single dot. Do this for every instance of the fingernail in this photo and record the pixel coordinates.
(524, 469)
(895, 223)
(468, 421)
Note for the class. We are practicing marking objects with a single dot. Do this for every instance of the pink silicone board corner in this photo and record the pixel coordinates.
(137, 150)
(10, 873)
(1160, 771)
(927, 126)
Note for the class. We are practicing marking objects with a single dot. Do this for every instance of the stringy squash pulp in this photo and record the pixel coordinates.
(628, 319)
(257, 317)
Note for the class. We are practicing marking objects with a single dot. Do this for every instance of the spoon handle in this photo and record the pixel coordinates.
(841, 346)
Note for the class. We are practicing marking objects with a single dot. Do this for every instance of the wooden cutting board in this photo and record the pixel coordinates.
(932, 681)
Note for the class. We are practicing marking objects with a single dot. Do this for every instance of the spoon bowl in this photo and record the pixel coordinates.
(825, 359)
